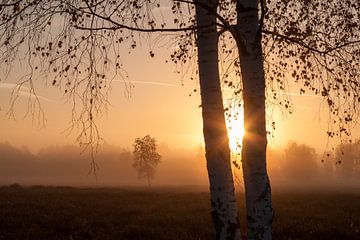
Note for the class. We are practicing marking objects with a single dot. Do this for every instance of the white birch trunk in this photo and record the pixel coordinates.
(222, 192)
(257, 185)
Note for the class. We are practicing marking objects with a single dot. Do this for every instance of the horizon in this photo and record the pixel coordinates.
(67, 165)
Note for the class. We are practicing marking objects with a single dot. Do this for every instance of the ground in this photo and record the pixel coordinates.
(164, 213)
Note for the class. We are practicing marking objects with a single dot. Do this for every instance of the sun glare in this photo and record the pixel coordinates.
(235, 126)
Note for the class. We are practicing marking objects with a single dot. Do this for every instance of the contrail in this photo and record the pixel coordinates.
(151, 83)
(12, 86)
(296, 94)
(177, 85)
(301, 107)
(25, 92)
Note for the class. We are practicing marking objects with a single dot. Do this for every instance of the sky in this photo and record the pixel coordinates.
(159, 105)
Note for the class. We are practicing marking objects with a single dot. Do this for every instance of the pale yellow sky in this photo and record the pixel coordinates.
(159, 106)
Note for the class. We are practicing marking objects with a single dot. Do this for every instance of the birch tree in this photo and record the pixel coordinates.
(146, 157)
(222, 192)
(256, 180)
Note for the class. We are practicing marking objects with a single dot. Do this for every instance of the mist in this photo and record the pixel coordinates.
(71, 165)
(295, 166)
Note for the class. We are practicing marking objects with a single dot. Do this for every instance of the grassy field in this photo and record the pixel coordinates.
(139, 214)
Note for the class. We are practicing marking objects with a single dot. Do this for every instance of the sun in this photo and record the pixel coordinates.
(235, 126)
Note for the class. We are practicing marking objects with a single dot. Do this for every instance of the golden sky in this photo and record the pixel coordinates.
(159, 105)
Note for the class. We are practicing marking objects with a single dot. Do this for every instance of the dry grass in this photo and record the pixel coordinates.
(134, 214)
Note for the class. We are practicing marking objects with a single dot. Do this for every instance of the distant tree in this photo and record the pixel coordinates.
(347, 157)
(300, 162)
(146, 157)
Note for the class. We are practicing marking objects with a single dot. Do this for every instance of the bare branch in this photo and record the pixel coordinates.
(303, 44)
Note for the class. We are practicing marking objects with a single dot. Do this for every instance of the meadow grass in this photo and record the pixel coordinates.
(163, 213)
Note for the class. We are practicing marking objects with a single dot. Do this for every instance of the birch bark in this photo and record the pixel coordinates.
(257, 184)
(222, 192)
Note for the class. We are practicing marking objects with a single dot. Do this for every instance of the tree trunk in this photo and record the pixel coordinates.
(257, 185)
(222, 192)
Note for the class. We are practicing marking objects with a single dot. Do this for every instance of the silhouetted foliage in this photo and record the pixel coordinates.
(76, 45)
(146, 157)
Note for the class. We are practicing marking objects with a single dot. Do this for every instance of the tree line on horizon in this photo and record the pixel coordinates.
(301, 164)
(294, 165)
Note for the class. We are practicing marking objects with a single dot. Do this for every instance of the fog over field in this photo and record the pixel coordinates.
(69, 165)
(296, 166)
